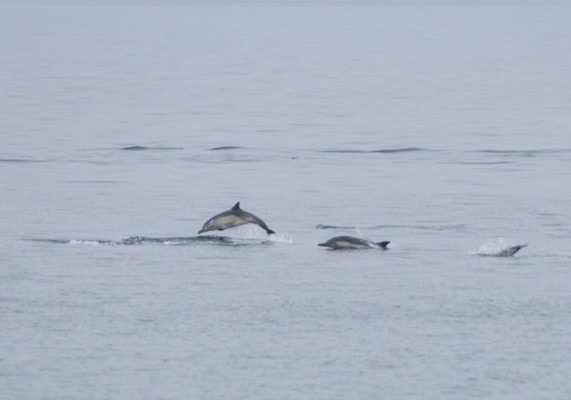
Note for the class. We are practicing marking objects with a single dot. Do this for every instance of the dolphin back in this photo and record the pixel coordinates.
(510, 251)
(348, 242)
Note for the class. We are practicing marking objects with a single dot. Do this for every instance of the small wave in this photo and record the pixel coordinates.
(84, 242)
(453, 227)
(22, 161)
(403, 150)
(166, 241)
(225, 148)
(523, 153)
(96, 182)
(381, 151)
(323, 226)
(145, 148)
(482, 162)
(176, 241)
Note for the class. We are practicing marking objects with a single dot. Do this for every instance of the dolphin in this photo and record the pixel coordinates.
(349, 243)
(232, 218)
(510, 251)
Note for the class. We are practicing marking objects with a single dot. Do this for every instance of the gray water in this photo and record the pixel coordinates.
(442, 127)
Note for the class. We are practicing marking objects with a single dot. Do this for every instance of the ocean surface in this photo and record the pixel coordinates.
(443, 127)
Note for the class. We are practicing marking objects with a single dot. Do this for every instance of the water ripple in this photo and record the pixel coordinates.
(523, 153)
(225, 148)
(167, 241)
(22, 161)
(451, 227)
(381, 151)
(146, 148)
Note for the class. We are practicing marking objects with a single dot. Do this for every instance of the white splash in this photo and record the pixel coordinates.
(497, 248)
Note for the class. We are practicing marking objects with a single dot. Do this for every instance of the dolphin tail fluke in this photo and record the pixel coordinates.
(270, 232)
(383, 245)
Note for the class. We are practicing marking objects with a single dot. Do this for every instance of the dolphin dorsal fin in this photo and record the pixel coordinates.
(236, 206)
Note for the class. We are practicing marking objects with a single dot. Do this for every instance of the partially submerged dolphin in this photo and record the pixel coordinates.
(233, 218)
(349, 242)
(510, 251)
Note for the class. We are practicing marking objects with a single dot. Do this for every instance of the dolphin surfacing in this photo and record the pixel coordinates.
(510, 251)
(502, 251)
(233, 218)
(352, 243)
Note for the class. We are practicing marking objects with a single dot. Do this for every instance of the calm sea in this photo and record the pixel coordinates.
(443, 127)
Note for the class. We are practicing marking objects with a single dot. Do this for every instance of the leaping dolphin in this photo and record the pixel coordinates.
(233, 218)
(349, 242)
